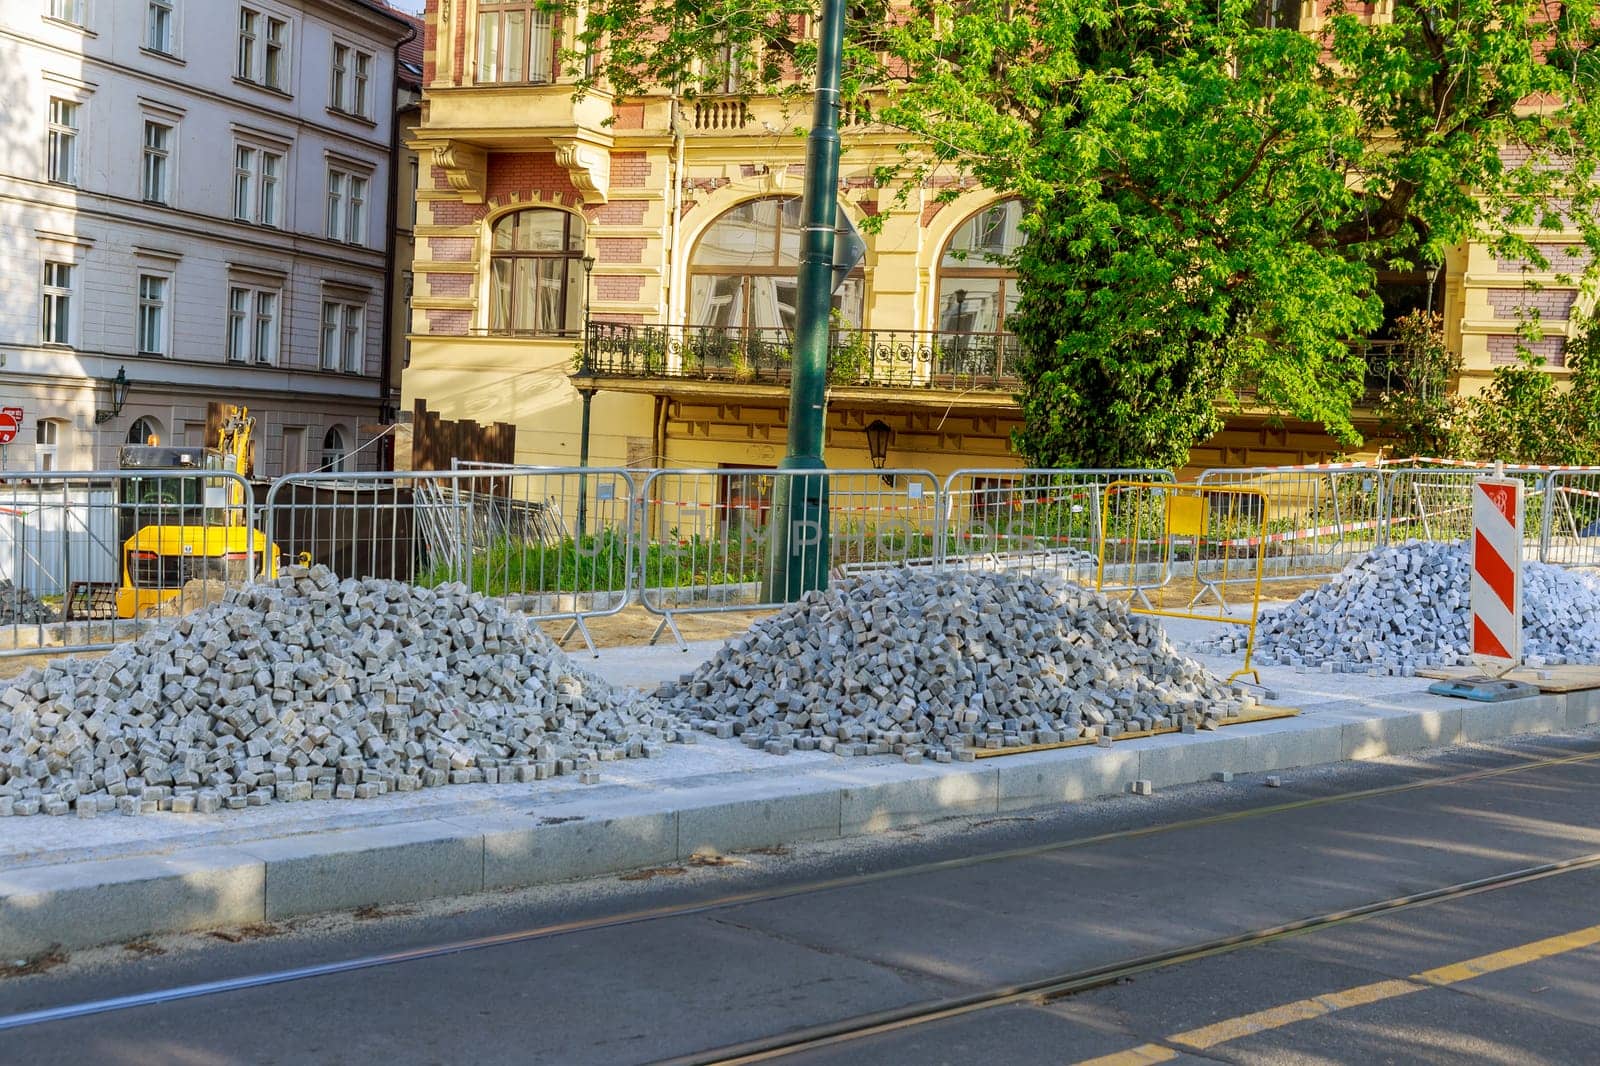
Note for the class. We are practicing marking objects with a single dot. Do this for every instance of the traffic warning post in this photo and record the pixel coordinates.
(1496, 599)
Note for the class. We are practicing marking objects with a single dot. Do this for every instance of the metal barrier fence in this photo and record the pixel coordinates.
(1435, 503)
(1571, 518)
(1208, 535)
(557, 544)
(86, 557)
(1314, 520)
(708, 534)
(1029, 519)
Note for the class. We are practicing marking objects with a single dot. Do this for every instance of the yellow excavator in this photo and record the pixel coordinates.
(176, 527)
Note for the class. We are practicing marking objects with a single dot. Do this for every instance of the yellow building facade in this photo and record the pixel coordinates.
(643, 252)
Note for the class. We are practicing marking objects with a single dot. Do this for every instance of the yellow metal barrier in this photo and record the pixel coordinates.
(1154, 535)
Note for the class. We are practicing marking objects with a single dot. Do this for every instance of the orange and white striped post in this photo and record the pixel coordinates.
(1496, 599)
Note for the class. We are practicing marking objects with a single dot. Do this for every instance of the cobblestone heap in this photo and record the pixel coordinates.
(308, 687)
(21, 606)
(930, 664)
(1404, 607)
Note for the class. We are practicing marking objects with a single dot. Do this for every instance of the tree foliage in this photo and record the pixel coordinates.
(1210, 195)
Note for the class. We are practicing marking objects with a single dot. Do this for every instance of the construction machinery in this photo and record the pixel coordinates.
(176, 527)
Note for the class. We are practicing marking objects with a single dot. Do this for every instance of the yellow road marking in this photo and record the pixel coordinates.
(1261, 1021)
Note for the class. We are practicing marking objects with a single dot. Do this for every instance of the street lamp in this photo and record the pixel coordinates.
(878, 437)
(119, 396)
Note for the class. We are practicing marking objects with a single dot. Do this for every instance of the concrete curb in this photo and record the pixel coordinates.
(83, 904)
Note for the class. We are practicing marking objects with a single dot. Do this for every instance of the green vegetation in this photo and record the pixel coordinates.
(1211, 191)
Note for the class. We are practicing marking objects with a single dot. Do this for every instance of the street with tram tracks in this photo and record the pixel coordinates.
(1436, 909)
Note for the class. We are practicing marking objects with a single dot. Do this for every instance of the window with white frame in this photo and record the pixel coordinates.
(257, 185)
(153, 318)
(263, 49)
(56, 321)
(46, 441)
(154, 177)
(67, 11)
(347, 206)
(252, 325)
(335, 453)
(158, 35)
(352, 75)
(62, 141)
(341, 336)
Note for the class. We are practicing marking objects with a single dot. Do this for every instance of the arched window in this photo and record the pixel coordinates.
(977, 283)
(335, 455)
(143, 428)
(536, 272)
(744, 272)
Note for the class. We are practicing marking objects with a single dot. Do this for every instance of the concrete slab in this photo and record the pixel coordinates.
(357, 867)
(869, 808)
(78, 904)
(757, 822)
(514, 856)
(1046, 778)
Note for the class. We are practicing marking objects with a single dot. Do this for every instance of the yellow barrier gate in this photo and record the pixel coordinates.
(1164, 540)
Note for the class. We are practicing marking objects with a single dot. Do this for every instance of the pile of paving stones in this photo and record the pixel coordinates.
(309, 687)
(19, 606)
(943, 664)
(1403, 607)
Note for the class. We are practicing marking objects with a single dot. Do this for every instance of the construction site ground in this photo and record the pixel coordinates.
(109, 879)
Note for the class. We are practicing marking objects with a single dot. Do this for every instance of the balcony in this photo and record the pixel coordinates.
(859, 358)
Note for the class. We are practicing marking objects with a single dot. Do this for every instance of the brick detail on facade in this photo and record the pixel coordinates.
(1550, 303)
(455, 213)
(620, 249)
(930, 210)
(458, 29)
(630, 170)
(622, 288)
(430, 49)
(450, 284)
(1503, 349)
(448, 323)
(621, 318)
(1563, 259)
(524, 176)
(450, 249)
(618, 213)
(628, 116)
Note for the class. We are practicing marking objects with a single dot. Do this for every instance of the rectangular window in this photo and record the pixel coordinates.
(263, 49)
(238, 325)
(249, 37)
(277, 61)
(341, 336)
(152, 325)
(252, 325)
(347, 207)
(46, 437)
(257, 185)
(67, 11)
(341, 75)
(158, 27)
(352, 71)
(63, 142)
(271, 194)
(264, 344)
(515, 42)
(57, 318)
(335, 204)
(157, 152)
(244, 178)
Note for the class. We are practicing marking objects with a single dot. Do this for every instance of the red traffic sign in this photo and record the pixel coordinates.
(14, 412)
(8, 428)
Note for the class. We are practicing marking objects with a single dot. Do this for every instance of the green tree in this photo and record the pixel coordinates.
(1210, 193)
(1419, 411)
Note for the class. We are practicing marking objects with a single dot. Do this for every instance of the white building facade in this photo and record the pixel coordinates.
(195, 193)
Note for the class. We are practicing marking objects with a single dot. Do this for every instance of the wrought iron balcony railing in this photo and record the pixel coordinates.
(902, 359)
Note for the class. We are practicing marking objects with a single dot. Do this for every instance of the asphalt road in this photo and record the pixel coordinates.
(1504, 975)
